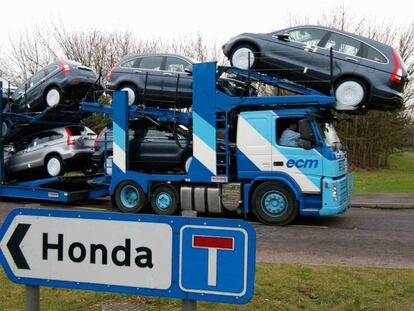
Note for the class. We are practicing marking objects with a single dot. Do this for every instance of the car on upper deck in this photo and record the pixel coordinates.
(62, 83)
(366, 74)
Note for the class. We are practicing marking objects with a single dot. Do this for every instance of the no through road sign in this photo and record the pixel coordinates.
(187, 258)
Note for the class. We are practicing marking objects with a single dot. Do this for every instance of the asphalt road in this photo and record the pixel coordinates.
(361, 237)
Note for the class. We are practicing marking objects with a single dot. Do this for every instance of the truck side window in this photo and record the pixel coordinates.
(287, 134)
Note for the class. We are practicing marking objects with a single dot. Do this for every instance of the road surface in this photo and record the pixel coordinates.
(361, 237)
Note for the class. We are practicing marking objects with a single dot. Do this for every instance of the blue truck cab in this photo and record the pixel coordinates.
(239, 164)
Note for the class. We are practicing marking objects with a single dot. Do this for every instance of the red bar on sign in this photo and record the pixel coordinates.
(212, 242)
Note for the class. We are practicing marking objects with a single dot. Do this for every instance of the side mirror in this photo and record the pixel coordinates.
(170, 136)
(283, 37)
(188, 70)
(305, 130)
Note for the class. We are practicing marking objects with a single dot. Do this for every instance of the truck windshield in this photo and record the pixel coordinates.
(329, 135)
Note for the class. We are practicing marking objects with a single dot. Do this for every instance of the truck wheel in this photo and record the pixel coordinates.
(164, 201)
(274, 204)
(187, 163)
(240, 55)
(129, 197)
(54, 166)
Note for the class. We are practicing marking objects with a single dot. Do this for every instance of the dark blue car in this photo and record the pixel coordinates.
(366, 74)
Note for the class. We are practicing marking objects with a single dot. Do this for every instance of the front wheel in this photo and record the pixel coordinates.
(129, 197)
(274, 203)
(350, 94)
(244, 56)
(132, 93)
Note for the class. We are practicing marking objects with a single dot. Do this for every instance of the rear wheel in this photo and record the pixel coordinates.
(53, 97)
(244, 55)
(350, 94)
(274, 203)
(132, 93)
(54, 166)
(129, 197)
(164, 201)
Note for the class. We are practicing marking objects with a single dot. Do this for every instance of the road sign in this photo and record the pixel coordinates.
(177, 257)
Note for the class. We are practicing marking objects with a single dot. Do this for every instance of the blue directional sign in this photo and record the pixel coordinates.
(177, 257)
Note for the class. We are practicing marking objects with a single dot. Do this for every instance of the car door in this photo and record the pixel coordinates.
(293, 55)
(178, 80)
(151, 79)
(34, 94)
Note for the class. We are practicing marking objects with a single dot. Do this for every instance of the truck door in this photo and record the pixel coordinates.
(304, 166)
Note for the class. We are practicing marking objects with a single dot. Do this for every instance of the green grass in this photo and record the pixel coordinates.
(398, 178)
(278, 287)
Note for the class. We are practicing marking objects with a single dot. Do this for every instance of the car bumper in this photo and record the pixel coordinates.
(385, 99)
(336, 196)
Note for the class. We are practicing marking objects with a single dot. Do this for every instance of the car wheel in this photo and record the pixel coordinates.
(350, 94)
(53, 97)
(187, 163)
(129, 197)
(132, 93)
(164, 201)
(240, 57)
(89, 169)
(54, 166)
(274, 203)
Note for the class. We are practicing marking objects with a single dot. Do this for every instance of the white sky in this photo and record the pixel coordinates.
(215, 20)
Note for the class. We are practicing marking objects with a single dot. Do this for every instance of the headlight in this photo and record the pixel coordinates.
(334, 193)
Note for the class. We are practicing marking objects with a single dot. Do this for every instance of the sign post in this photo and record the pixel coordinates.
(187, 258)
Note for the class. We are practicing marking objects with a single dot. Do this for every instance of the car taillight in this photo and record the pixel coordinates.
(71, 140)
(65, 67)
(397, 73)
(111, 72)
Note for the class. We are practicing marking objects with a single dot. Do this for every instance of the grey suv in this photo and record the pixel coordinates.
(366, 73)
(52, 152)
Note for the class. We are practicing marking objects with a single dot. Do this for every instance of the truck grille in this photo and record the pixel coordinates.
(342, 190)
(341, 165)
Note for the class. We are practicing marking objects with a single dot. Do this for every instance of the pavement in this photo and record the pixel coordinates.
(383, 200)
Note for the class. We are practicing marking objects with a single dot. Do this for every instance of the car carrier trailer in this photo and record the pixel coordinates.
(275, 182)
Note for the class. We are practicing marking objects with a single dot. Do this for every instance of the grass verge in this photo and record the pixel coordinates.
(398, 178)
(278, 287)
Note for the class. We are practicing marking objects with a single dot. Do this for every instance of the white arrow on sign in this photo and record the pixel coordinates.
(97, 251)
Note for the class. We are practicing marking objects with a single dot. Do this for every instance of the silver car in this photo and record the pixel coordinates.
(53, 152)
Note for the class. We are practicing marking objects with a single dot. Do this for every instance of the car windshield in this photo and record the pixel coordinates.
(329, 135)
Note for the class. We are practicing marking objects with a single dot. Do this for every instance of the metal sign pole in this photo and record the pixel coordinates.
(189, 305)
(32, 298)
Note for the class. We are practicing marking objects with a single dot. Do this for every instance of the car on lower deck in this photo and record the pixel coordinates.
(62, 83)
(367, 74)
(151, 147)
(51, 152)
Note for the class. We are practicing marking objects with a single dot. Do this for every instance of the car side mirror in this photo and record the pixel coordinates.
(283, 37)
(170, 136)
(188, 70)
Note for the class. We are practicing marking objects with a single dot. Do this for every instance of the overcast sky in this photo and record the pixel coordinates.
(215, 20)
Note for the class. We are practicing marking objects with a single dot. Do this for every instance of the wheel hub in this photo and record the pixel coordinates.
(163, 200)
(274, 203)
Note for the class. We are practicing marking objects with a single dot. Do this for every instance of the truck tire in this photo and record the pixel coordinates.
(164, 201)
(239, 57)
(129, 197)
(273, 203)
(54, 166)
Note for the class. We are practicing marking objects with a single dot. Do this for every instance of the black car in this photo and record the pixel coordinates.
(151, 147)
(366, 74)
(163, 80)
(60, 83)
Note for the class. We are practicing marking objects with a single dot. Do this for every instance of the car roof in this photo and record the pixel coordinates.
(135, 55)
(372, 42)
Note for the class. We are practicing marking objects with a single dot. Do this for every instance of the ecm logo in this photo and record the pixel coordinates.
(302, 163)
(213, 260)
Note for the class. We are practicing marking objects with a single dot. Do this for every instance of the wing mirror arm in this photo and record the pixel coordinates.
(283, 37)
